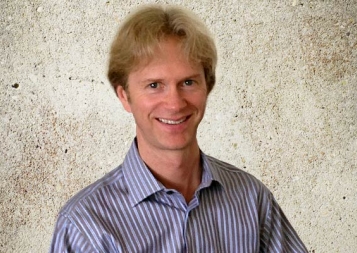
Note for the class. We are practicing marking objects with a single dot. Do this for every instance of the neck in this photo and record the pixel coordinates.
(175, 169)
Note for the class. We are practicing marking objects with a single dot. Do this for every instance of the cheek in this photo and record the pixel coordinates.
(142, 104)
(200, 100)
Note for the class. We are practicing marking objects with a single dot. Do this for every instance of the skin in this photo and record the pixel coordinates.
(167, 98)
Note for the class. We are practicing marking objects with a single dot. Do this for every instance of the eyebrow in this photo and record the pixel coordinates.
(157, 80)
(192, 76)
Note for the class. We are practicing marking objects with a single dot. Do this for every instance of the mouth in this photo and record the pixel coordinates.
(172, 122)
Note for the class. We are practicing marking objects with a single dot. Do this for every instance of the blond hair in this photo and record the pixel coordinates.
(143, 30)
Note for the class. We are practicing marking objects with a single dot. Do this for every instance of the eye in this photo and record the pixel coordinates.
(154, 85)
(188, 82)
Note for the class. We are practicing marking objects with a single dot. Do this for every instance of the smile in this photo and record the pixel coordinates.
(172, 122)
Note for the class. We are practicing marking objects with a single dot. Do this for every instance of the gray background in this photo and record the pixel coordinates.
(284, 109)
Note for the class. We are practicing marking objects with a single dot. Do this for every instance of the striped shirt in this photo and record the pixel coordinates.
(128, 210)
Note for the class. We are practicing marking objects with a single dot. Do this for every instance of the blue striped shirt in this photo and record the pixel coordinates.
(128, 210)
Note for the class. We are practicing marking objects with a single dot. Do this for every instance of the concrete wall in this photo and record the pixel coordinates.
(284, 109)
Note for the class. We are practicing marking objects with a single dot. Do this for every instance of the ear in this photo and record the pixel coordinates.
(124, 98)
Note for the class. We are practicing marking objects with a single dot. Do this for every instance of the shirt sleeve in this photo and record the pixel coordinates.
(277, 234)
(67, 238)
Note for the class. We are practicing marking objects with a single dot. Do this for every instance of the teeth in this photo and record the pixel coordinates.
(172, 122)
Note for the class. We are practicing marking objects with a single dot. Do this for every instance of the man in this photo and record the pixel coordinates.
(168, 196)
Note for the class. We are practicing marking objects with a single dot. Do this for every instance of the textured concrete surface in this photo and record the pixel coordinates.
(284, 109)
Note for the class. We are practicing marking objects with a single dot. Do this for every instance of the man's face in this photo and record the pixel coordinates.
(167, 98)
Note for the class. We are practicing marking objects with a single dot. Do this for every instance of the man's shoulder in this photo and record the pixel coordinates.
(232, 175)
(111, 180)
(226, 167)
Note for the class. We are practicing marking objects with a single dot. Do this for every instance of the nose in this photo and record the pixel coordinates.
(175, 99)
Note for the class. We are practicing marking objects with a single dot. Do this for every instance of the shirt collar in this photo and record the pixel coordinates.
(142, 184)
(210, 172)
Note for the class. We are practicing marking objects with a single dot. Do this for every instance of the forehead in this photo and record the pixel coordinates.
(168, 51)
